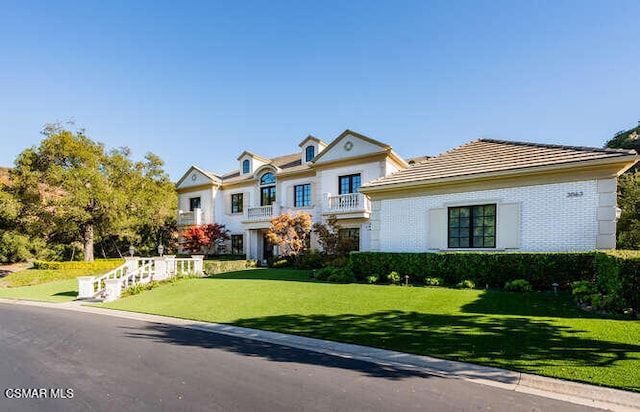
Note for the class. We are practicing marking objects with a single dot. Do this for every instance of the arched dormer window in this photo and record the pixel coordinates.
(245, 166)
(267, 189)
(310, 153)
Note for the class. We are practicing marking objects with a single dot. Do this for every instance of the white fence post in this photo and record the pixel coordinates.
(85, 287)
(198, 268)
(132, 263)
(113, 289)
(161, 271)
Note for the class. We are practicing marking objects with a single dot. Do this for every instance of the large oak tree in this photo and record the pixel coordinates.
(71, 189)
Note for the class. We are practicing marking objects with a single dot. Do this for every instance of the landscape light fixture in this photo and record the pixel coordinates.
(131, 250)
(160, 249)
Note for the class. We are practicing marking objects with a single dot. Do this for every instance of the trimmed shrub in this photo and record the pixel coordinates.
(617, 282)
(465, 284)
(324, 273)
(372, 278)
(98, 264)
(313, 259)
(280, 263)
(494, 269)
(518, 285)
(434, 281)
(393, 277)
(342, 275)
(214, 267)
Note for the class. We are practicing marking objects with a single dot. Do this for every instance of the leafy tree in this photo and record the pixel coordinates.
(72, 190)
(204, 237)
(290, 233)
(628, 226)
(331, 239)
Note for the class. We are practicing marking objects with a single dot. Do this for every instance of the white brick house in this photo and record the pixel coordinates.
(486, 195)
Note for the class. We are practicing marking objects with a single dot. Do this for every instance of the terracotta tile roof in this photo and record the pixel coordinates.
(488, 155)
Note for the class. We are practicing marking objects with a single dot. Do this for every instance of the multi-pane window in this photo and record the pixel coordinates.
(245, 166)
(302, 195)
(236, 203)
(472, 226)
(194, 203)
(267, 191)
(310, 153)
(350, 239)
(237, 244)
(349, 184)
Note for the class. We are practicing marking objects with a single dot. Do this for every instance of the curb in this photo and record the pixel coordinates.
(574, 392)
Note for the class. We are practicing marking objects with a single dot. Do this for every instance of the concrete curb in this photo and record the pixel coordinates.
(574, 392)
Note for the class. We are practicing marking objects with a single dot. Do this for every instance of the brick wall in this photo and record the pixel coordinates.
(553, 217)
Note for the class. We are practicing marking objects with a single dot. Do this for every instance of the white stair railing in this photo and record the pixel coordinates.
(136, 270)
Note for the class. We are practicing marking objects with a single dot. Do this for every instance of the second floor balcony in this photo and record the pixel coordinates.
(262, 213)
(190, 217)
(347, 206)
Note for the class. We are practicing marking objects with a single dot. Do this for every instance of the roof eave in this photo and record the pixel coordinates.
(623, 164)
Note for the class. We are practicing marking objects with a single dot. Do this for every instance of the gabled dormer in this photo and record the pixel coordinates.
(250, 162)
(311, 147)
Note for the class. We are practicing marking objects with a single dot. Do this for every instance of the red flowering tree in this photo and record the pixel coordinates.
(291, 233)
(203, 237)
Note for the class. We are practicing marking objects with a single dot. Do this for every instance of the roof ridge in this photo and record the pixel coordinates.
(557, 146)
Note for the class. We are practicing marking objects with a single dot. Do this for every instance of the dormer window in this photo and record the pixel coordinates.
(310, 153)
(246, 167)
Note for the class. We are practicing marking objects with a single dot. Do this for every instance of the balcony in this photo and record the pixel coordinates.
(349, 206)
(190, 218)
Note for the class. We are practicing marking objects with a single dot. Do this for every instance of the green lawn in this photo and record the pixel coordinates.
(57, 292)
(536, 333)
(46, 285)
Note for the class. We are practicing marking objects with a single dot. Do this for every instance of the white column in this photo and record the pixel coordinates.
(113, 289)
(85, 287)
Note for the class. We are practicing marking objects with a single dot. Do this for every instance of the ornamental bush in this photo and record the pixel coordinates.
(465, 284)
(393, 277)
(518, 285)
(434, 281)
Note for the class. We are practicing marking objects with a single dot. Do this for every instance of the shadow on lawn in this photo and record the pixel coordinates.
(514, 343)
(545, 304)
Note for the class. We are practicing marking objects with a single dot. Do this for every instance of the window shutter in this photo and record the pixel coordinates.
(508, 226)
(437, 230)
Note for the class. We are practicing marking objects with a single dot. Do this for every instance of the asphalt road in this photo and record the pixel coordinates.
(114, 364)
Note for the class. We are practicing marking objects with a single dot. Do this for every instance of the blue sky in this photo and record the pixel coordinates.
(198, 82)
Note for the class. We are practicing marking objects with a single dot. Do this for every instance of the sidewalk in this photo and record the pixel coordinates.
(579, 393)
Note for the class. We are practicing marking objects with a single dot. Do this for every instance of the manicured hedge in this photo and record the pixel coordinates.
(214, 267)
(492, 269)
(610, 280)
(96, 264)
(618, 281)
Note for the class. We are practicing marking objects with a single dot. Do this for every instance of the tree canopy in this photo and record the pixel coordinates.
(628, 226)
(70, 189)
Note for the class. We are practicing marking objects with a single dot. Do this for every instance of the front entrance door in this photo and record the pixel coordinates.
(267, 248)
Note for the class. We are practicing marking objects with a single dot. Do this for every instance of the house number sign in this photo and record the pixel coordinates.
(575, 194)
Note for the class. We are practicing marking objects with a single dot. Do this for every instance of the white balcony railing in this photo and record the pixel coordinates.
(187, 218)
(352, 202)
(260, 212)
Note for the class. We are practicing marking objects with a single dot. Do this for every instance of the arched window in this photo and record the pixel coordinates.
(267, 189)
(245, 166)
(310, 153)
